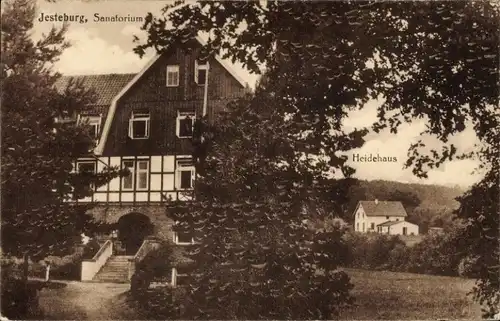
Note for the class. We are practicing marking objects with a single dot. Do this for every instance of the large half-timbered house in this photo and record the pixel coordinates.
(144, 122)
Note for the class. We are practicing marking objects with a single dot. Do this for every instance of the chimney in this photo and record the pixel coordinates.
(376, 201)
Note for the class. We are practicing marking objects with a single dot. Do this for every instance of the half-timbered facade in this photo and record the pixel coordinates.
(144, 122)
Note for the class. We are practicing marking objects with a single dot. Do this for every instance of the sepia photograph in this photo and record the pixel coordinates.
(250, 160)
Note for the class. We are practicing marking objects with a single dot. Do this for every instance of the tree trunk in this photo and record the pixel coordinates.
(47, 272)
(25, 268)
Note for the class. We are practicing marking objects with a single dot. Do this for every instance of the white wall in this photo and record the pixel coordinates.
(92, 266)
(161, 180)
(397, 229)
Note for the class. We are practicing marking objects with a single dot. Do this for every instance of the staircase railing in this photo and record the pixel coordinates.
(92, 266)
(147, 246)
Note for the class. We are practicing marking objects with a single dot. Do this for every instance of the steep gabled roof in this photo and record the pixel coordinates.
(106, 86)
(383, 208)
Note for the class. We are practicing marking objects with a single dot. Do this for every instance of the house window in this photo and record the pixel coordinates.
(128, 181)
(363, 226)
(138, 172)
(142, 174)
(405, 230)
(94, 122)
(179, 276)
(87, 167)
(397, 219)
(185, 174)
(372, 226)
(357, 227)
(138, 126)
(185, 122)
(182, 238)
(200, 73)
(387, 217)
(172, 76)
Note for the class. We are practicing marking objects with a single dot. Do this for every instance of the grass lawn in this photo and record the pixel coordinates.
(390, 295)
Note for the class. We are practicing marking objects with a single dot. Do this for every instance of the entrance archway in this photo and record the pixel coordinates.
(133, 228)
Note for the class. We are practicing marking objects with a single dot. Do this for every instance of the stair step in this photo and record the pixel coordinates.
(113, 274)
(115, 270)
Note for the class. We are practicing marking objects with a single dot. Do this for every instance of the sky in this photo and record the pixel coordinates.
(106, 47)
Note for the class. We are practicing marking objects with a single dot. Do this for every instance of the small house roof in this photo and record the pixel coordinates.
(383, 208)
(390, 223)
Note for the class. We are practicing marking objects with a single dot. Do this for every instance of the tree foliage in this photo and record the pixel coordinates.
(480, 209)
(433, 60)
(37, 151)
(251, 219)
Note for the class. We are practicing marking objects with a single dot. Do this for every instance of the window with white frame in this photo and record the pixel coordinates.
(179, 276)
(93, 121)
(87, 167)
(183, 238)
(138, 174)
(172, 75)
(184, 174)
(138, 126)
(200, 72)
(185, 123)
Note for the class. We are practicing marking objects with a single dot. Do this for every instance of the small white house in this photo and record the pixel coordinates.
(386, 217)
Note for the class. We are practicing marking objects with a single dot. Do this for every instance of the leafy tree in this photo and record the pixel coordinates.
(251, 217)
(37, 151)
(480, 208)
(433, 60)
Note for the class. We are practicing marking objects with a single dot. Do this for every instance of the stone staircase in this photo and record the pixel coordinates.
(115, 270)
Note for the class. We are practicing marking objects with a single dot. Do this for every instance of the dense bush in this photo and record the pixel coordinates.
(158, 262)
(436, 254)
(66, 267)
(468, 267)
(90, 249)
(372, 251)
(154, 303)
(19, 299)
(69, 267)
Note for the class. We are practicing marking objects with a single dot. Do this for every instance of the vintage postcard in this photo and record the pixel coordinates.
(250, 160)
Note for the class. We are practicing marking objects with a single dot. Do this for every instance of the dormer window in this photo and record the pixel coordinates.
(94, 122)
(138, 126)
(185, 122)
(172, 76)
(200, 72)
